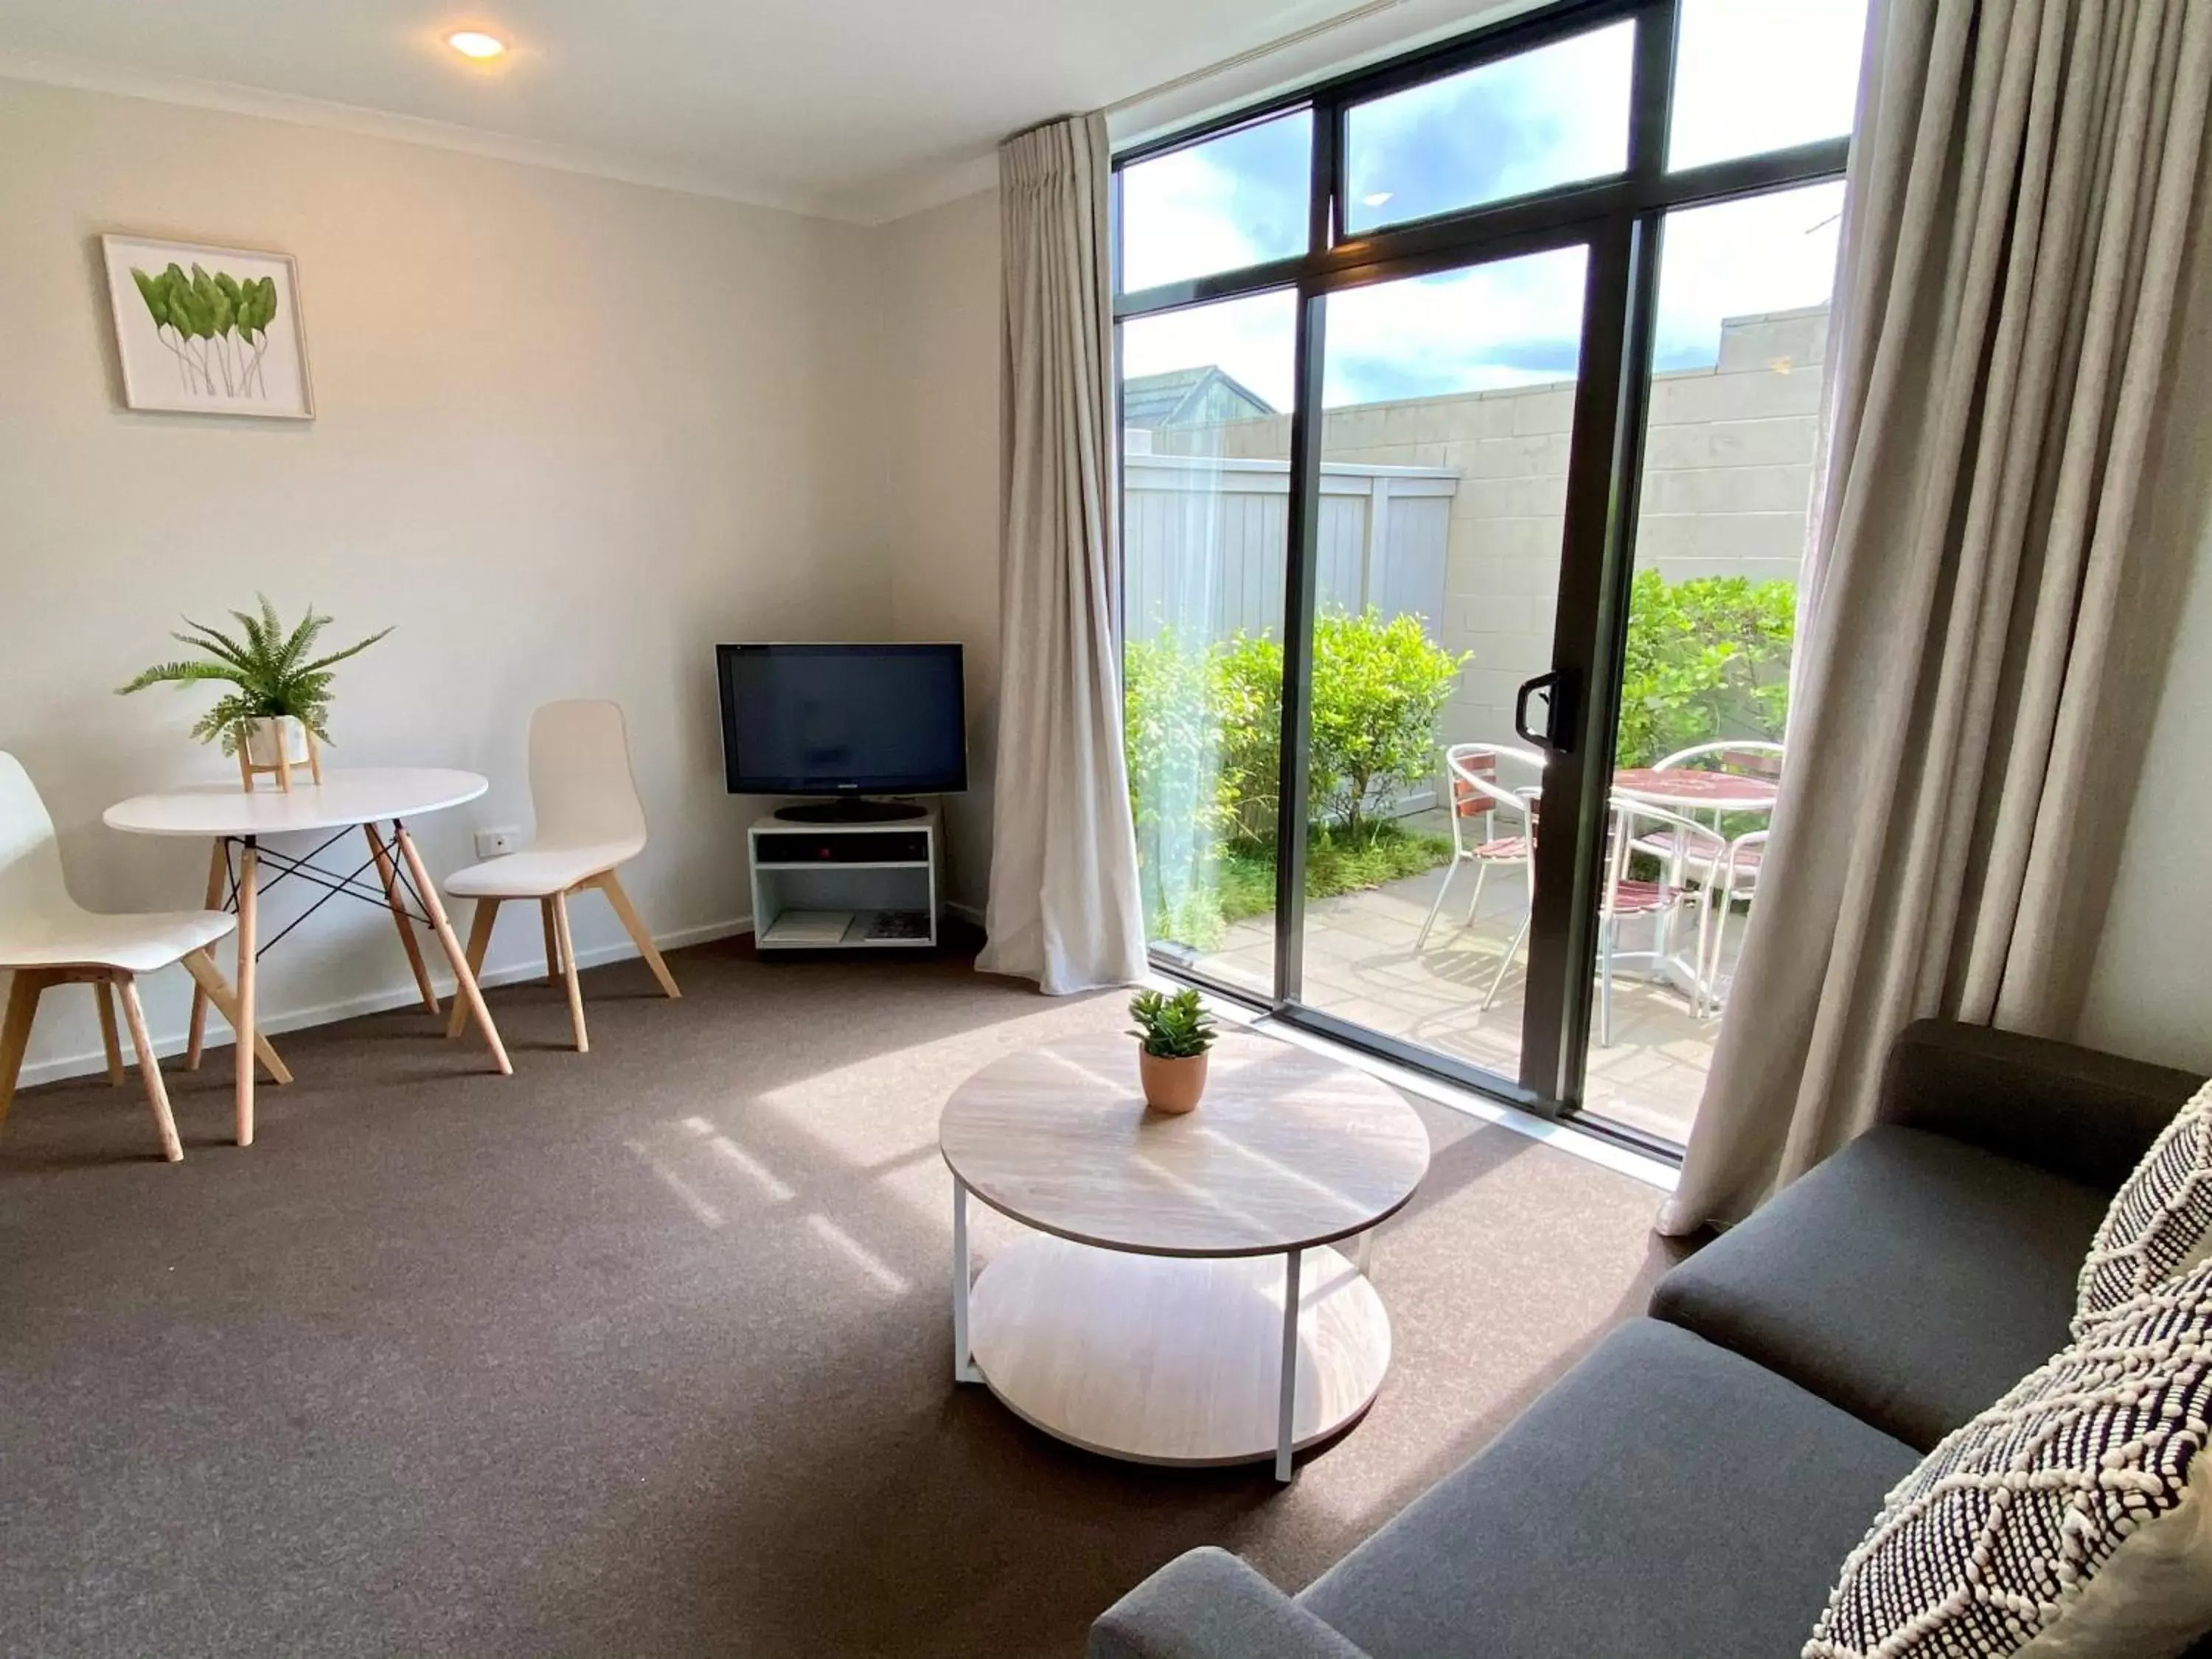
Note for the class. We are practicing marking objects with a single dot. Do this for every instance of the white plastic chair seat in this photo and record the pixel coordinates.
(138, 944)
(540, 872)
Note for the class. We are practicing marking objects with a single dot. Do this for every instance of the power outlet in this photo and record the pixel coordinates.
(497, 843)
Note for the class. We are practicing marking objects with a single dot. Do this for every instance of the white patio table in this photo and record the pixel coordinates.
(1683, 789)
(346, 801)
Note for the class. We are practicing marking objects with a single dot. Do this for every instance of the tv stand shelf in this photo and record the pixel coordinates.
(845, 884)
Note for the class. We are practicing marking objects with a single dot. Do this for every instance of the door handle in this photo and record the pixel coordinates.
(1558, 736)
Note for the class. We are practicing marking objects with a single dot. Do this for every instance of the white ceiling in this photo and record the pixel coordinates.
(845, 107)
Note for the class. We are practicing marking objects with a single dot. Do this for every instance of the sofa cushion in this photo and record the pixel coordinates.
(2160, 1222)
(2073, 1516)
(1665, 1498)
(1910, 1279)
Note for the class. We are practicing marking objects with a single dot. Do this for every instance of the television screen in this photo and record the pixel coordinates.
(835, 719)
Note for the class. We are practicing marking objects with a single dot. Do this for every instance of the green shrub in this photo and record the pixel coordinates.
(1184, 801)
(1708, 659)
(1377, 689)
(1247, 688)
(1336, 863)
(1203, 737)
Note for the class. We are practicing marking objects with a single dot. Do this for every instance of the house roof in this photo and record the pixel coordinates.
(1178, 397)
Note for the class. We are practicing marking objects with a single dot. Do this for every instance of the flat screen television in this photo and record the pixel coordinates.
(842, 721)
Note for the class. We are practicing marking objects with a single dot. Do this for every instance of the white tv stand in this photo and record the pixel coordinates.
(848, 886)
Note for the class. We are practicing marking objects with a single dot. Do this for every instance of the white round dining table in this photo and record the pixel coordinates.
(377, 801)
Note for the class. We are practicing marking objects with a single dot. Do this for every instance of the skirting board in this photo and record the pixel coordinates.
(378, 1002)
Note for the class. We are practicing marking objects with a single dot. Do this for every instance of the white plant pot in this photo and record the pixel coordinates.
(278, 734)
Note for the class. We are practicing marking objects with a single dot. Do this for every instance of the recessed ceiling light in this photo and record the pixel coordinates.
(474, 43)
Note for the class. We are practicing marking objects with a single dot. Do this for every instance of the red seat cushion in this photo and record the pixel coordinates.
(1636, 898)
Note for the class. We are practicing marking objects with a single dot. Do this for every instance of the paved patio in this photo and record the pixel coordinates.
(1361, 965)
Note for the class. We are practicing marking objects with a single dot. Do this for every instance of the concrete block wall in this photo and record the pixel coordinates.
(1728, 478)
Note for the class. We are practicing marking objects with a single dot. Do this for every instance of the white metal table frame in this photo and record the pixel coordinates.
(1661, 961)
(236, 869)
(966, 1369)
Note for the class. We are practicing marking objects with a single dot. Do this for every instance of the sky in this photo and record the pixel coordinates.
(1752, 75)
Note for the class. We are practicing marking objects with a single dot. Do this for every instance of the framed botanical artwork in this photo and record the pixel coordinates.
(208, 330)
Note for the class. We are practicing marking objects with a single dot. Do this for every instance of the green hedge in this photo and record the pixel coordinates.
(1202, 730)
(1708, 658)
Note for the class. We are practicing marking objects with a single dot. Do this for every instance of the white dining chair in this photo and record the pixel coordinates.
(589, 821)
(1624, 896)
(1478, 792)
(47, 939)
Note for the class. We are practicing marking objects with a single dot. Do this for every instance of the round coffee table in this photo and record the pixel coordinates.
(1146, 1317)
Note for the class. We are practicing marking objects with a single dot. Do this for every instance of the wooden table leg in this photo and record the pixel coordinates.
(103, 994)
(208, 979)
(464, 982)
(385, 874)
(218, 867)
(484, 917)
(249, 873)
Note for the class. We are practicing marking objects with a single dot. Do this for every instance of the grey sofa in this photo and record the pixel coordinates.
(1689, 1490)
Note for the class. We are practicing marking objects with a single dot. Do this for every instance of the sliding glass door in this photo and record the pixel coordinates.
(1391, 442)
(1447, 403)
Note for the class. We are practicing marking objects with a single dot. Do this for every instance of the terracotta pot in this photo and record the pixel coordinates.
(267, 738)
(1171, 1085)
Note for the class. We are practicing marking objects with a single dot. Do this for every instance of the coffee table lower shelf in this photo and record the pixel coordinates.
(1175, 1359)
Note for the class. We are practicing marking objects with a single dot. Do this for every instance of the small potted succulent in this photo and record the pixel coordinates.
(1174, 1032)
(280, 698)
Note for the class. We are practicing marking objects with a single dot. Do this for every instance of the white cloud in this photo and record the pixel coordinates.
(1251, 339)
(1764, 254)
(1515, 322)
(1759, 75)
(1753, 74)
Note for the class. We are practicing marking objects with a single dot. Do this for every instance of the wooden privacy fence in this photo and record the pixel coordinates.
(1204, 540)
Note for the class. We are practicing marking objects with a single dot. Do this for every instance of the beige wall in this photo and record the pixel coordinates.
(570, 433)
(940, 337)
(2149, 990)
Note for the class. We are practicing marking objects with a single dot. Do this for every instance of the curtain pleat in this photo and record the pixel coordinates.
(1063, 904)
(2021, 187)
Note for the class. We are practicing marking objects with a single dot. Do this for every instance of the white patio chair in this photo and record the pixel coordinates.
(47, 939)
(1738, 873)
(589, 820)
(1695, 853)
(1476, 793)
(1737, 879)
(1622, 896)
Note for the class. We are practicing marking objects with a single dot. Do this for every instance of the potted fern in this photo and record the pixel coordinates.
(1174, 1032)
(279, 701)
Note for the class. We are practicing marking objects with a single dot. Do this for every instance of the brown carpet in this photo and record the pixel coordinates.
(647, 1352)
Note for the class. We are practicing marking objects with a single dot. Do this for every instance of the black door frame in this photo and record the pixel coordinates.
(1618, 219)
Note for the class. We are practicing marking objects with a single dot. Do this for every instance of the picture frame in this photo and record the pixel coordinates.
(201, 330)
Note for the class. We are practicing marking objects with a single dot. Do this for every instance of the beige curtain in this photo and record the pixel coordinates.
(2012, 241)
(1063, 907)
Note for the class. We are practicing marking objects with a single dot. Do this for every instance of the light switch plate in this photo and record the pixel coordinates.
(497, 843)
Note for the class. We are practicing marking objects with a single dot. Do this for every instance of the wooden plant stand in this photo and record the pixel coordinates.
(247, 771)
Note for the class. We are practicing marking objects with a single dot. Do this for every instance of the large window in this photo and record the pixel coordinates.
(1468, 415)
